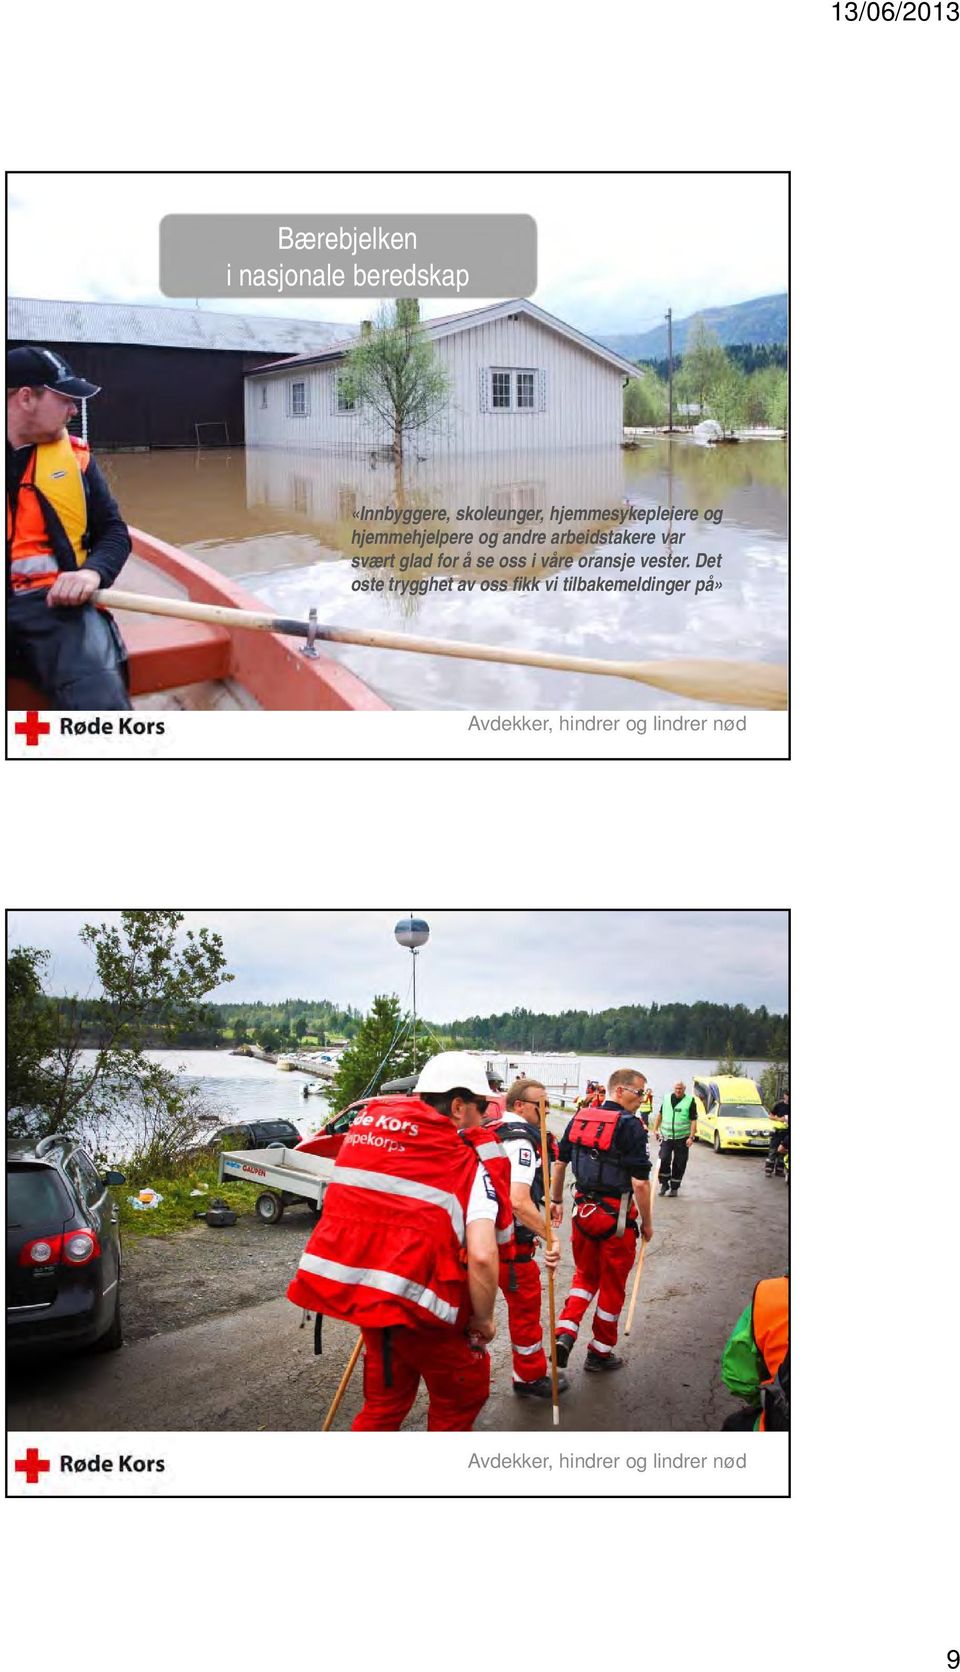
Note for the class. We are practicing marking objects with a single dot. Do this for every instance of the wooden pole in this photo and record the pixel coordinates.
(344, 1379)
(636, 1287)
(545, 1164)
(732, 684)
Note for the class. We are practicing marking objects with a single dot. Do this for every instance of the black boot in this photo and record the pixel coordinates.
(542, 1388)
(603, 1362)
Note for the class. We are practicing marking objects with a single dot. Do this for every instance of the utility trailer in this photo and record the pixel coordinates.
(286, 1177)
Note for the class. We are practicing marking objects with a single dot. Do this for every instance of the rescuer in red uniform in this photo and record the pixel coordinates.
(406, 1249)
(519, 1133)
(612, 1203)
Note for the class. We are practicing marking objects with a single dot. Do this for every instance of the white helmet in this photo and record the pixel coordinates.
(451, 1069)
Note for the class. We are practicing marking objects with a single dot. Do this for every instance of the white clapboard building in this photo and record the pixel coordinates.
(519, 379)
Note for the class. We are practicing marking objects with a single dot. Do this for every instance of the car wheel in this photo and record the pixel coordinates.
(113, 1338)
(717, 1146)
(269, 1208)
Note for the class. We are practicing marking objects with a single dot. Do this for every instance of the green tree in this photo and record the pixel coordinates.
(269, 1038)
(240, 1034)
(726, 396)
(702, 365)
(31, 1037)
(381, 1051)
(728, 1063)
(301, 1027)
(645, 400)
(395, 375)
(91, 1071)
(777, 1074)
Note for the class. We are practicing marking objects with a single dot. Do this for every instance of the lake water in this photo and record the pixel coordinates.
(241, 1088)
(281, 523)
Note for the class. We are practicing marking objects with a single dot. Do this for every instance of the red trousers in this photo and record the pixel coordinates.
(602, 1269)
(457, 1377)
(520, 1288)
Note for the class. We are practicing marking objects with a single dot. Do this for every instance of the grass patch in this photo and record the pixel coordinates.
(176, 1211)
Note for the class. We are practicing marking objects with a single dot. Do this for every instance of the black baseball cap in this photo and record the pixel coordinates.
(36, 366)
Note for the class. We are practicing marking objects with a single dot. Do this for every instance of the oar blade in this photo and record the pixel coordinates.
(731, 684)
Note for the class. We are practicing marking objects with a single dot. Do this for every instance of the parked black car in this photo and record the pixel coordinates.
(255, 1134)
(63, 1249)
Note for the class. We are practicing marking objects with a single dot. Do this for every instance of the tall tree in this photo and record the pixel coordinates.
(381, 1051)
(703, 363)
(91, 1073)
(394, 373)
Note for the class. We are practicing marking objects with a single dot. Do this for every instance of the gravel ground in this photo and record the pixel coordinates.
(170, 1282)
(212, 1344)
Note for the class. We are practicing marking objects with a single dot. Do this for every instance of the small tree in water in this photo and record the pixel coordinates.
(82, 1067)
(394, 373)
(375, 1054)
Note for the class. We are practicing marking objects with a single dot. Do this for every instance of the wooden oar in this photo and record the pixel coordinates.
(545, 1166)
(344, 1379)
(731, 684)
(636, 1287)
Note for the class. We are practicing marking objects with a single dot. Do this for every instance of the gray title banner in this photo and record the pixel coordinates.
(348, 255)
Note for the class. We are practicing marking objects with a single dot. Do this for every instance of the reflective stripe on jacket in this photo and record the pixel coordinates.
(390, 1247)
(483, 1140)
(675, 1122)
(49, 525)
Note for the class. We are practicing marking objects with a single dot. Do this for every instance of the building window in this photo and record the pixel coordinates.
(501, 390)
(298, 400)
(263, 397)
(513, 390)
(346, 395)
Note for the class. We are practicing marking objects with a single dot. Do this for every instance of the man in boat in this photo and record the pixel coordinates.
(519, 1133)
(612, 1209)
(65, 539)
(407, 1249)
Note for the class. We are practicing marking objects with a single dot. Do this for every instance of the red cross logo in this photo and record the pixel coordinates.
(33, 1465)
(32, 728)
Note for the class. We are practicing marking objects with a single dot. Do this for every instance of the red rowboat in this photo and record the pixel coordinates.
(190, 665)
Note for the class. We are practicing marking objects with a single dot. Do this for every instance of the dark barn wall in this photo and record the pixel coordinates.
(152, 397)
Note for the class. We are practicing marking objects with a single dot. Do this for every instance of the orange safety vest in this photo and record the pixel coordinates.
(51, 495)
(771, 1326)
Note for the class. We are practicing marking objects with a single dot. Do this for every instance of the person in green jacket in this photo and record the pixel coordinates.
(756, 1359)
(676, 1127)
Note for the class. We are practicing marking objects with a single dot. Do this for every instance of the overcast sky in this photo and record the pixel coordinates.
(476, 963)
(614, 251)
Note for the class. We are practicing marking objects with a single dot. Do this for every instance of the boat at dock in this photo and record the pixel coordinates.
(177, 664)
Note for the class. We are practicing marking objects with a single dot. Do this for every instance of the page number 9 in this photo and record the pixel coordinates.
(953, 1659)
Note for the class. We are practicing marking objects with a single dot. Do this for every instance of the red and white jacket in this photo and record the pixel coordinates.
(491, 1152)
(390, 1247)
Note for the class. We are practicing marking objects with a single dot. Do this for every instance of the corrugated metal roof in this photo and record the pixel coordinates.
(447, 324)
(33, 320)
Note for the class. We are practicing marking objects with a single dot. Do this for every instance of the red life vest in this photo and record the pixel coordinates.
(602, 1179)
(490, 1151)
(390, 1247)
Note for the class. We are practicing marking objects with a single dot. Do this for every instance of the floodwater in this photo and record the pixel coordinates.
(243, 1088)
(282, 525)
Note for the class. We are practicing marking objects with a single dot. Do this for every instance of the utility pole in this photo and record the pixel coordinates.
(670, 371)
